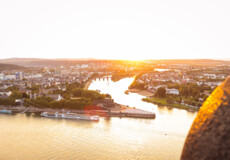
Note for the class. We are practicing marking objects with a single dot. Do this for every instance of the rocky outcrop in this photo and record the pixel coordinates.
(209, 136)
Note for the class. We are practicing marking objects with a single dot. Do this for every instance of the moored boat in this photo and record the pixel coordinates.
(50, 114)
(6, 111)
(70, 116)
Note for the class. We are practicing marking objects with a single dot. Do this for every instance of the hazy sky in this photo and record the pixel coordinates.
(115, 29)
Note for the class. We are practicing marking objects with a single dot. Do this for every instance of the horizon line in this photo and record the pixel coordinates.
(222, 59)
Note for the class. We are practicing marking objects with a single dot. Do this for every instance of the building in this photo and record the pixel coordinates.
(5, 93)
(85, 66)
(19, 75)
(172, 91)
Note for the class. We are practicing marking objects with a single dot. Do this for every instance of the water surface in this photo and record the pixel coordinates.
(32, 137)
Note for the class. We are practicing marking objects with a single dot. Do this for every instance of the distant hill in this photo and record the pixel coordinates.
(20, 61)
(190, 61)
(68, 61)
(39, 61)
(10, 67)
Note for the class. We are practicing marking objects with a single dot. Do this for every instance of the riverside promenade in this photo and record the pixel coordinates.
(117, 111)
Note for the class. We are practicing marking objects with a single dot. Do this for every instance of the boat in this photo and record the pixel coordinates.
(50, 114)
(6, 111)
(70, 116)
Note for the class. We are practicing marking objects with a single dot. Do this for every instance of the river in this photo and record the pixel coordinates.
(32, 137)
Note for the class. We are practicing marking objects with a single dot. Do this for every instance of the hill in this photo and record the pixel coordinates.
(40, 62)
(10, 67)
(191, 61)
(68, 61)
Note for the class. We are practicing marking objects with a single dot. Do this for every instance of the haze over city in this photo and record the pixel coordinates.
(114, 79)
(122, 29)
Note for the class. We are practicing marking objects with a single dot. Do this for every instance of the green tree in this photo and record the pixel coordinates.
(7, 101)
(70, 87)
(161, 92)
(66, 96)
(93, 95)
(16, 95)
(24, 95)
(137, 85)
(189, 90)
(55, 104)
(12, 88)
(77, 92)
(205, 97)
(170, 100)
(169, 86)
(34, 88)
(43, 101)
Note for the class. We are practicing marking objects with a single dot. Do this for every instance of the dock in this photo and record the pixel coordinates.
(118, 111)
(26, 110)
(135, 113)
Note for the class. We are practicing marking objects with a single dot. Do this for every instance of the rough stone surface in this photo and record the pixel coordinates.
(209, 136)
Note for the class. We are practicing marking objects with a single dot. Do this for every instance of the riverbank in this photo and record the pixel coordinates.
(87, 84)
(140, 92)
(159, 101)
(163, 102)
(117, 111)
(120, 110)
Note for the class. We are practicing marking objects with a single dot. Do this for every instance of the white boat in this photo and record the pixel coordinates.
(50, 114)
(70, 116)
(6, 111)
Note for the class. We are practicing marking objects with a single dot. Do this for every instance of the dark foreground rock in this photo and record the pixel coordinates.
(209, 136)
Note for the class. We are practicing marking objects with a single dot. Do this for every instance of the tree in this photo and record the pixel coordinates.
(161, 92)
(205, 97)
(93, 95)
(170, 86)
(7, 101)
(43, 101)
(170, 100)
(66, 96)
(189, 90)
(24, 95)
(71, 104)
(16, 95)
(12, 88)
(74, 85)
(137, 85)
(108, 96)
(34, 88)
(77, 92)
(55, 104)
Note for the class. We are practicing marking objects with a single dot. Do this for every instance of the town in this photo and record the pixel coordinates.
(64, 84)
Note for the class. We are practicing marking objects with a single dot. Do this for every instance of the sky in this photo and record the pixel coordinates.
(115, 29)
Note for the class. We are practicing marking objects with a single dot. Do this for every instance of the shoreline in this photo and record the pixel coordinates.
(148, 94)
(178, 106)
(144, 93)
(118, 110)
(87, 85)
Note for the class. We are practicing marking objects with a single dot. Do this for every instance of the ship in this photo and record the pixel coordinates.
(6, 111)
(70, 116)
